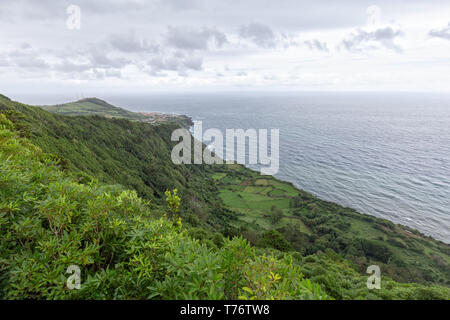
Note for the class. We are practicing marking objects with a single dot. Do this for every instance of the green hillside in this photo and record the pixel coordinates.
(60, 201)
(92, 106)
(125, 250)
(98, 107)
(311, 225)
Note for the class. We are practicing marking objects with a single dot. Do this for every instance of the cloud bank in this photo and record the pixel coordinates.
(225, 45)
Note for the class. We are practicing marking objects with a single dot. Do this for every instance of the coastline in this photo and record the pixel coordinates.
(403, 226)
(406, 228)
(235, 200)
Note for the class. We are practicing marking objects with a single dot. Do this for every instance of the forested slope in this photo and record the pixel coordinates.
(330, 244)
(124, 249)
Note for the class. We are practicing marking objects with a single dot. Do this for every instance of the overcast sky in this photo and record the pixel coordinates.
(183, 45)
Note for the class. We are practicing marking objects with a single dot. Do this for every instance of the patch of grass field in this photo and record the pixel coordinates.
(250, 196)
(261, 182)
(303, 228)
(287, 188)
(276, 192)
(232, 199)
(219, 175)
(236, 187)
(253, 197)
(267, 204)
(267, 190)
(228, 180)
(255, 189)
(365, 229)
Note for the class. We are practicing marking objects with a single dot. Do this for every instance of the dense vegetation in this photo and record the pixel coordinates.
(69, 204)
(97, 107)
(125, 250)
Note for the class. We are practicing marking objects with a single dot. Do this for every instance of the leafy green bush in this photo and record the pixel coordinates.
(274, 239)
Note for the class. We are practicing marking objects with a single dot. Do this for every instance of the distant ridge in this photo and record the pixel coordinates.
(99, 107)
(4, 97)
(92, 106)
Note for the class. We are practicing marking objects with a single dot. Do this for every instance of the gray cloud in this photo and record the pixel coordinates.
(92, 63)
(45, 9)
(67, 66)
(177, 62)
(100, 59)
(131, 43)
(199, 37)
(258, 33)
(29, 62)
(24, 57)
(316, 45)
(383, 36)
(181, 5)
(97, 61)
(443, 33)
(188, 38)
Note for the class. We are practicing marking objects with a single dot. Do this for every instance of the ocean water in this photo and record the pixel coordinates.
(384, 154)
